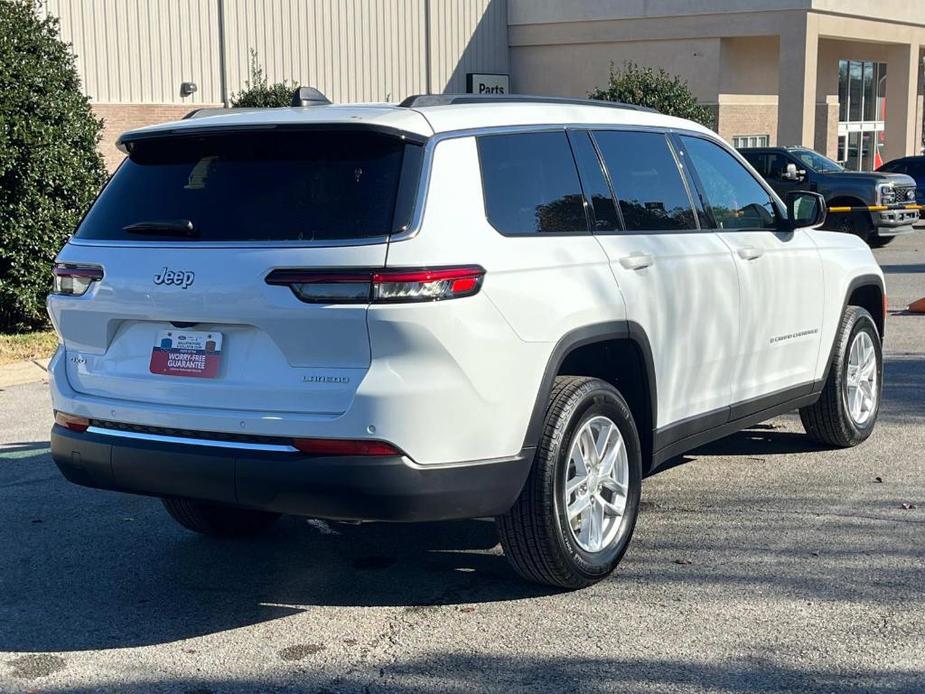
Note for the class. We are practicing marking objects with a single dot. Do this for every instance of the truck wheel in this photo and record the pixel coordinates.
(218, 520)
(846, 412)
(878, 241)
(575, 516)
(857, 223)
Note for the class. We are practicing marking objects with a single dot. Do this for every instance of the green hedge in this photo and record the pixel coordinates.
(258, 92)
(50, 170)
(646, 86)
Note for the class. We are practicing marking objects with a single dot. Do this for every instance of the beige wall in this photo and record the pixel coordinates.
(551, 11)
(748, 65)
(555, 42)
(576, 69)
(139, 51)
(132, 51)
(132, 55)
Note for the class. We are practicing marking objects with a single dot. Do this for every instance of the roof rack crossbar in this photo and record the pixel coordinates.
(422, 100)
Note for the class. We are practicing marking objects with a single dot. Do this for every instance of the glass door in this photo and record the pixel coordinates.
(861, 114)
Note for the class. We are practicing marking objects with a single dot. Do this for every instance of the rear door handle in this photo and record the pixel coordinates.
(750, 253)
(637, 261)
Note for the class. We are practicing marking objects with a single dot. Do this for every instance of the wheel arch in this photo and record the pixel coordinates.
(617, 352)
(866, 291)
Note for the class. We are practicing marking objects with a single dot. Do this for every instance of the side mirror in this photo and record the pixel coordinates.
(805, 209)
(791, 173)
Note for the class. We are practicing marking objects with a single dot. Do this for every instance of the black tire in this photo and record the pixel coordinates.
(857, 223)
(218, 520)
(828, 420)
(878, 241)
(534, 533)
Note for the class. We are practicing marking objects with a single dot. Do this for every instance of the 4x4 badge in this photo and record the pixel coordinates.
(178, 278)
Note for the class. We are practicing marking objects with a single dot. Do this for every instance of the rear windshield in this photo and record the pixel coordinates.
(267, 186)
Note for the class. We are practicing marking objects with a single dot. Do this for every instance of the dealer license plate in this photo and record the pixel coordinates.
(195, 353)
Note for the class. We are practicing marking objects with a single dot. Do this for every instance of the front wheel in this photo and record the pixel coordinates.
(855, 223)
(575, 516)
(847, 409)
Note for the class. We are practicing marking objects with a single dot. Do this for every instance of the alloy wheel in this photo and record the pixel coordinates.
(861, 381)
(596, 484)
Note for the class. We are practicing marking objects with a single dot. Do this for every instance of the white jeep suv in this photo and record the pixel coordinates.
(454, 307)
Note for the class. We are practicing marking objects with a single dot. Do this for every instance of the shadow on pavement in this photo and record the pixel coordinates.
(903, 269)
(467, 672)
(86, 569)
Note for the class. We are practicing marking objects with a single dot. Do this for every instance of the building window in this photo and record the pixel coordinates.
(861, 113)
(741, 141)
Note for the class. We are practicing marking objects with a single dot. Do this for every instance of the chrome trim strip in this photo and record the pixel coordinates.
(250, 245)
(267, 447)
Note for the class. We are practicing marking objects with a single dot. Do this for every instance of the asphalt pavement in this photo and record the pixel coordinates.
(765, 563)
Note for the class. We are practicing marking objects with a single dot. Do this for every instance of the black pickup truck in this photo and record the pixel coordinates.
(798, 168)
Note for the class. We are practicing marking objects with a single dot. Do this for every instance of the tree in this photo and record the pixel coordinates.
(50, 169)
(646, 86)
(258, 92)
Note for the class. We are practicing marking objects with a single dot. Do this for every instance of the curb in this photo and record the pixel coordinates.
(22, 372)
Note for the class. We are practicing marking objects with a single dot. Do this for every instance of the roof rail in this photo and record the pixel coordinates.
(421, 100)
(218, 111)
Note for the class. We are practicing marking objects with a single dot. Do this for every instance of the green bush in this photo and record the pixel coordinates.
(646, 86)
(258, 93)
(50, 170)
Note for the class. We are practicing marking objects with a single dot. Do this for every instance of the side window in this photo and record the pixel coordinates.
(596, 187)
(777, 165)
(646, 181)
(759, 160)
(531, 184)
(736, 199)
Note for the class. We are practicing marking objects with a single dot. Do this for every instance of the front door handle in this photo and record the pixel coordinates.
(637, 261)
(750, 253)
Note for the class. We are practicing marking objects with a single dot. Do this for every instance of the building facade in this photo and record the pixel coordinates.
(134, 55)
(841, 76)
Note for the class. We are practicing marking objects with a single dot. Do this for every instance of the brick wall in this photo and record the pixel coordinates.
(734, 119)
(117, 118)
(827, 127)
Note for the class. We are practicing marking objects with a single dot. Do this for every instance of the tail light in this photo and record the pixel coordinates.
(345, 447)
(392, 285)
(72, 421)
(75, 280)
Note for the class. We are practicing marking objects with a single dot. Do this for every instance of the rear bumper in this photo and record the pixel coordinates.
(342, 488)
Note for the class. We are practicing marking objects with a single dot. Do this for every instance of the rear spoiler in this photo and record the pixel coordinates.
(127, 140)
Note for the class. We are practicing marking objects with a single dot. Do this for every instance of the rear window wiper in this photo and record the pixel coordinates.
(165, 227)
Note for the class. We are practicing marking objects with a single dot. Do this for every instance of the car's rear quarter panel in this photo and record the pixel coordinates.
(539, 288)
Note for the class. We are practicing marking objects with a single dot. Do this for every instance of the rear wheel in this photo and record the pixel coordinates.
(218, 520)
(575, 516)
(847, 410)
